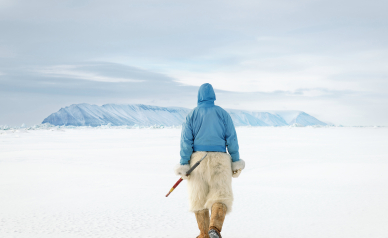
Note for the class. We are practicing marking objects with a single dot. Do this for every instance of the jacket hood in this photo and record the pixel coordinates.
(206, 94)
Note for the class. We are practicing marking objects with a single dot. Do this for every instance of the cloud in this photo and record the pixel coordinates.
(289, 73)
(70, 81)
(302, 55)
(6, 3)
(73, 72)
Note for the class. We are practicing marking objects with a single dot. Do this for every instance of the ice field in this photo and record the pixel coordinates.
(298, 182)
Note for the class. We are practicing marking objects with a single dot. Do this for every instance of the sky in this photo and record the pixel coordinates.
(326, 58)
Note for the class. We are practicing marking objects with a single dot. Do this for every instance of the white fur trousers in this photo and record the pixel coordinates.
(211, 181)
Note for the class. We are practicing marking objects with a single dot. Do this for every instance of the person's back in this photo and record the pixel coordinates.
(209, 129)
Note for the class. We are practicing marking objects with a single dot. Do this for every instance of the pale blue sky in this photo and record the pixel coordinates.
(327, 58)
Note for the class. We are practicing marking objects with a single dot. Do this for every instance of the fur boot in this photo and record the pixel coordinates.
(203, 221)
(217, 220)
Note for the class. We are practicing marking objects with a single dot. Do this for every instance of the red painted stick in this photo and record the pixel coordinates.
(187, 174)
(175, 185)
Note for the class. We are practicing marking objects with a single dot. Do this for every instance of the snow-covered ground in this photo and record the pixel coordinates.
(299, 182)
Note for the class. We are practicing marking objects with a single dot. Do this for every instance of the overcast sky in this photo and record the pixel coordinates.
(327, 58)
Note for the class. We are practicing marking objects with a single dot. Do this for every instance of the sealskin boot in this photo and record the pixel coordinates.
(203, 221)
(217, 220)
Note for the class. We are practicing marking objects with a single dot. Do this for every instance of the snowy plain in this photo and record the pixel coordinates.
(300, 182)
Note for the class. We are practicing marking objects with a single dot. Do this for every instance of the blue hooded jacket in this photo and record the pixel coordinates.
(208, 128)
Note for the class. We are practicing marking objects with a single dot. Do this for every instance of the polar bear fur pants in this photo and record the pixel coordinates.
(211, 181)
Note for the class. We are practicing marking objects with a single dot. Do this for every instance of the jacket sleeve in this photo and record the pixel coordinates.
(231, 138)
(187, 141)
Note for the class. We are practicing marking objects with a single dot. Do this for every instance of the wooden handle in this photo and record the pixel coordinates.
(175, 185)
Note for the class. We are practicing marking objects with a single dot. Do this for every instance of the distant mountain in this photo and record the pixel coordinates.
(144, 115)
(298, 117)
(247, 118)
(118, 115)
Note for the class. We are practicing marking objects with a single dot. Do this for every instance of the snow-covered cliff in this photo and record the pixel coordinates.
(145, 115)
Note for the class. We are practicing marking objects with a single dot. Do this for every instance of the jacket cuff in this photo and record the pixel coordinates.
(235, 156)
(184, 161)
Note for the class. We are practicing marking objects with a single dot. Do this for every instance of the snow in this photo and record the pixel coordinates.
(299, 182)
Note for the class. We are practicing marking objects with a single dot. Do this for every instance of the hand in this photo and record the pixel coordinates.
(236, 173)
(181, 170)
(237, 167)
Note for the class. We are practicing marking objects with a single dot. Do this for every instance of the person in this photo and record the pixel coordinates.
(209, 129)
